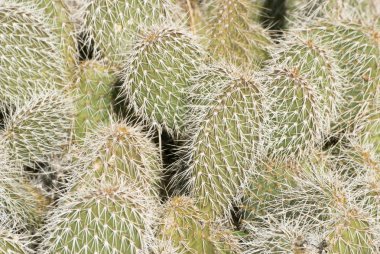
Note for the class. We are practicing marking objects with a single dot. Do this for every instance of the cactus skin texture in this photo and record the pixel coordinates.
(233, 34)
(158, 71)
(305, 87)
(190, 230)
(12, 244)
(113, 24)
(93, 99)
(357, 47)
(105, 217)
(21, 205)
(227, 110)
(118, 149)
(266, 182)
(30, 55)
(326, 202)
(59, 17)
(38, 129)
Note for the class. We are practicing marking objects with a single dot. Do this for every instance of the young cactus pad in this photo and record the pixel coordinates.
(11, 243)
(306, 88)
(228, 110)
(59, 18)
(30, 53)
(92, 91)
(158, 71)
(113, 24)
(101, 218)
(189, 230)
(357, 47)
(232, 34)
(37, 129)
(117, 149)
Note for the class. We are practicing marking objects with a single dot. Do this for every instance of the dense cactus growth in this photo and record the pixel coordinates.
(190, 231)
(113, 24)
(231, 33)
(229, 108)
(93, 96)
(306, 88)
(120, 150)
(189, 127)
(157, 73)
(30, 55)
(105, 217)
(38, 129)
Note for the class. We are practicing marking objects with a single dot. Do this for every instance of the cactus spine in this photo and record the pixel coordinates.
(233, 34)
(38, 129)
(305, 87)
(105, 217)
(190, 230)
(93, 102)
(113, 24)
(119, 150)
(228, 109)
(157, 74)
(30, 56)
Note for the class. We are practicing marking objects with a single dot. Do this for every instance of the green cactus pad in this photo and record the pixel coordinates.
(102, 218)
(92, 91)
(306, 88)
(358, 51)
(190, 231)
(114, 24)
(232, 32)
(30, 53)
(59, 17)
(37, 129)
(118, 149)
(227, 112)
(157, 74)
(12, 244)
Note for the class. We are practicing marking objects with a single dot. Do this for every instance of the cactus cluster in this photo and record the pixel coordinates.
(189, 127)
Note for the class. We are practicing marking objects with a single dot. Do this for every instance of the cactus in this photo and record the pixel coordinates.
(105, 217)
(190, 230)
(58, 17)
(38, 129)
(228, 108)
(158, 71)
(232, 34)
(357, 48)
(267, 181)
(93, 92)
(13, 244)
(328, 201)
(30, 57)
(21, 205)
(306, 88)
(114, 24)
(117, 149)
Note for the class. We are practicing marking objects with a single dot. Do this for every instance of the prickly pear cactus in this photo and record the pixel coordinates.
(190, 230)
(229, 108)
(30, 54)
(37, 129)
(58, 16)
(104, 217)
(158, 71)
(12, 244)
(93, 96)
(357, 47)
(114, 24)
(120, 150)
(306, 88)
(231, 33)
